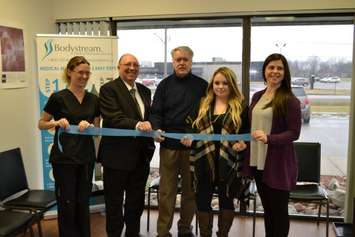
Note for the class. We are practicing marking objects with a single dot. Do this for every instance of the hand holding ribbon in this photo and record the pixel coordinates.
(157, 134)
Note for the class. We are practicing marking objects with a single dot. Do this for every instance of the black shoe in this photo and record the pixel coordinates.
(190, 234)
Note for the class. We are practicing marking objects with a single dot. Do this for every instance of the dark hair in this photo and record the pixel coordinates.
(72, 64)
(282, 94)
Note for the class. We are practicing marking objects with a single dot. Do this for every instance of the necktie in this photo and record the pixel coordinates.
(133, 94)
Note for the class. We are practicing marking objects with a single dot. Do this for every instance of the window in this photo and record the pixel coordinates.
(318, 49)
(213, 47)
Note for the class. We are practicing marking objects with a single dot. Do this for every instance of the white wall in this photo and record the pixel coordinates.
(67, 9)
(19, 108)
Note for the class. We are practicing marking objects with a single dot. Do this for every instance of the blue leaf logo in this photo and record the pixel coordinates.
(49, 48)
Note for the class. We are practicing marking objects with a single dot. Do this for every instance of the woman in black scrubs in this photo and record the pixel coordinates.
(72, 168)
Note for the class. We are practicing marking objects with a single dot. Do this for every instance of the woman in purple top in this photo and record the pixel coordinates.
(275, 123)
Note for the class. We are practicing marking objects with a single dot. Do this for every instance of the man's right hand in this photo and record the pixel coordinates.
(159, 136)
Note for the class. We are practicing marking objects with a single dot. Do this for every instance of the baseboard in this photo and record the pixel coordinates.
(93, 209)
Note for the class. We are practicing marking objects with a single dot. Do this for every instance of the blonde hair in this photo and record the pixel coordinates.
(235, 99)
(72, 64)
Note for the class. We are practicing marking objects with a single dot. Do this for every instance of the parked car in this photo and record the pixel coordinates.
(330, 80)
(300, 93)
(300, 81)
(146, 81)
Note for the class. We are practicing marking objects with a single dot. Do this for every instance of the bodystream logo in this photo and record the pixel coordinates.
(51, 47)
(48, 45)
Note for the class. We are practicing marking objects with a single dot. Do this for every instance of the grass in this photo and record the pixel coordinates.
(327, 91)
(343, 109)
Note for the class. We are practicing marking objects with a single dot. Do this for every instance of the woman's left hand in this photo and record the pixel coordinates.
(84, 125)
(239, 146)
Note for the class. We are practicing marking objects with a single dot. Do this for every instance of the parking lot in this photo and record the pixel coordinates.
(332, 132)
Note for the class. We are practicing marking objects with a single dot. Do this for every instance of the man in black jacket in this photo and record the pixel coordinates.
(175, 99)
(125, 104)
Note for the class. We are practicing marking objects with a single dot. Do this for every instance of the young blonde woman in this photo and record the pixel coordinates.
(72, 167)
(222, 111)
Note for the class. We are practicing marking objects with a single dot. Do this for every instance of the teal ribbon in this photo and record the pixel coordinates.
(116, 132)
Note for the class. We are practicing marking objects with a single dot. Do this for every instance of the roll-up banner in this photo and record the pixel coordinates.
(53, 54)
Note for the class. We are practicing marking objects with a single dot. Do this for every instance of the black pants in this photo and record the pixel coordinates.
(118, 183)
(204, 193)
(72, 188)
(275, 204)
(205, 188)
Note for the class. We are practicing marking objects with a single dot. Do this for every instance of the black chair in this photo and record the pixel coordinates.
(14, 191)
(13, 223)
(251, 197)
(153, 188)
(308, 188)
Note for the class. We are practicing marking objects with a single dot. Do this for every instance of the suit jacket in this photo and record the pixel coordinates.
(119, 110)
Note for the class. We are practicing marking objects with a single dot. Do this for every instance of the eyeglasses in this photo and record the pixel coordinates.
(135, 65)
(83, 73)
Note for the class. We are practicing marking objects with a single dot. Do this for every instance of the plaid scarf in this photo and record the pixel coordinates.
(206, 149)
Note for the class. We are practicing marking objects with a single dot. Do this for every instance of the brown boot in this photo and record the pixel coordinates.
(205, 221)
(225, 221)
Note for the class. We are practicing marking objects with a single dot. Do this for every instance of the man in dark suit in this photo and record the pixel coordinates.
(125, 104)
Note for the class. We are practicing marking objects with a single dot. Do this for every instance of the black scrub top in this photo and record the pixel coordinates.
(77, 149)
